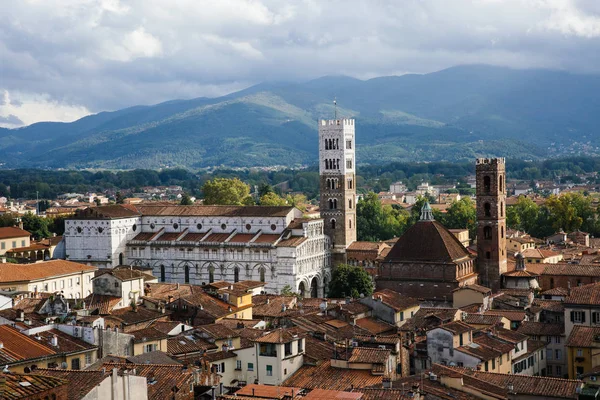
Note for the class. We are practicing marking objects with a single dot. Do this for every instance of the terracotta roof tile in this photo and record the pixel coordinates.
(558, 291)
(218, 331)
(395, 300)
(214, 210)
(107, 212)
(586, 294)
(456, 327)
(9, 232)
(532, 328)
(15, 389)
(369, 355)
(541, 387)
(481, 319)
(326, 376)
(512, 315)
(266, 391)
(549, 305)
(292, 242)
(374, 326)
(475, 287)
(19, 347)
(584, 336)
(80, 382)
(267, 238)
(428, 241)
(188, 343)
(325, 394)
(277, 336)
(104, 304)
(41, 270)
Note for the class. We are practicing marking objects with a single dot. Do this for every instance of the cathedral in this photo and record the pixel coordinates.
(429, 262)
(202, 244)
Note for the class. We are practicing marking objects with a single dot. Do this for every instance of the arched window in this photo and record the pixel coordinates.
(262, 274)
(120, 258)
(211, 274)
(331, 204)
(333, 224)
(487, 232)
(236, 274)
(501, 183)
(502, 209)
(337, 166)
(350, 223)
(337, 144)
(350, 203)
(487, 209)
(162, 273)
(502, 232)
(487, 184)
(335, 204)
(187, 273)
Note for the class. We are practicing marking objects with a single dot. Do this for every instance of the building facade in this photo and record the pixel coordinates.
(491, 220)
(337, 166)
(203, 244)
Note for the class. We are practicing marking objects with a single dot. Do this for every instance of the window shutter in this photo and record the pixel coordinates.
(583, 316)
(594, 317)
(572, 316)
(222, 367)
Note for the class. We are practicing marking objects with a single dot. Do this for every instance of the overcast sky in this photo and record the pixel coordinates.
(63, 59)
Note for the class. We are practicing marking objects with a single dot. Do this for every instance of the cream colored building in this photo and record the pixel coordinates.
(72, 279)
(12, 237)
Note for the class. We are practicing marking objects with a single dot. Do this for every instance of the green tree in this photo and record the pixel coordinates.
(119, 198)
(272, 199)
(377, 222)
(297, 200)
(36, 225)
(523, 215)
(225, 191)
(461, 215)
(567, 211)
(350, 280)
(7, 220)
(264, 188)
(415, 211)
(186, 200)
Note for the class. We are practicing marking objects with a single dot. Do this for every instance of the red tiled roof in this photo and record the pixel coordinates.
(41, 270)
(277, 336)
(369, 355)
(80, 382)
(374, 326)
(532, 328)
(475, 287)
(456, 327)
(109, 211)
(214, 210)
(267, 238)
(428, 241)
(9, 232)
(27, 386)
(395, 300)
(324, 394)
(266, 391)
(192, 237)
(242, 238)
(541, 387)
(217, 237)
(584, 336)
(18, 346)
(292, 242)
(326, 376)
(586, 294)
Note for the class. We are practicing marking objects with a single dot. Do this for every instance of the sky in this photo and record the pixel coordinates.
(63, 59)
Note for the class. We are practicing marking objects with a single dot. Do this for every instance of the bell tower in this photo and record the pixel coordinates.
(491, 220)
(337, 184)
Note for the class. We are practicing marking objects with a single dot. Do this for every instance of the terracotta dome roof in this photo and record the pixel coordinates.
(428, 241)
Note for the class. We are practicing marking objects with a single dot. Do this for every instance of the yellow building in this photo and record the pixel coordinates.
(583, 350)
(46, 349)
(12, 237)
(148, 340)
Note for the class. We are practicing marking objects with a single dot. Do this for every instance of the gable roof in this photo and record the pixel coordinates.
(80, 382)
(215, 210)
(14, 387)
(41, 270)
(586, 294)
(10, 232)
(428, 241)
(395, 300)
(584, 336)
(19, 347)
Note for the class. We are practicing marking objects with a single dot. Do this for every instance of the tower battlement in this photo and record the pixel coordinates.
(491, 161)
(339, 122)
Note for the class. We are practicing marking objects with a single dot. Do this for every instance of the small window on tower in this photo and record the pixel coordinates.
(487, 209)
(487, 184)
(349, 164)
(487, 233)
(348, 144)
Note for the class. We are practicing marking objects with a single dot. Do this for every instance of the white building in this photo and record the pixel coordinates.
(203, 244)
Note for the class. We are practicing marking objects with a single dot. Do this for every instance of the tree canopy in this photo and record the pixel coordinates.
(350, 280)
(378, 222)
(225, 191)
(186, 200)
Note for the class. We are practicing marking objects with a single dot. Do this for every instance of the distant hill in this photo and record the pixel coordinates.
(455, 114)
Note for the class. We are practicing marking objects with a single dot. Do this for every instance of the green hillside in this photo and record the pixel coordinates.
(454, 114)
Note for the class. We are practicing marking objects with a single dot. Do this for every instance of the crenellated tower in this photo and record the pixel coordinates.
(338, 184)
(491, 220)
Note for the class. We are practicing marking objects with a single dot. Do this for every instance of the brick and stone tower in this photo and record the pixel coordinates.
(491, 220)
(338, 180)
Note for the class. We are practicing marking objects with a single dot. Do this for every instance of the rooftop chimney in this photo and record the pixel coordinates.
(54, 341)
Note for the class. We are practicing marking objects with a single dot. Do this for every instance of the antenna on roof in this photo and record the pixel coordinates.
(335, 108)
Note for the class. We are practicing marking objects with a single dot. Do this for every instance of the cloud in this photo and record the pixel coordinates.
(18, 109)
(76, 56)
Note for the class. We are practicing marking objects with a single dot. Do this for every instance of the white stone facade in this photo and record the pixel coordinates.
(99, 242)
(188, 244)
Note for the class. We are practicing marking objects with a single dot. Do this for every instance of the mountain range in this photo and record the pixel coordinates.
(454, 114)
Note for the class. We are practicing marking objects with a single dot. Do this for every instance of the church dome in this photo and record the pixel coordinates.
(428, 241)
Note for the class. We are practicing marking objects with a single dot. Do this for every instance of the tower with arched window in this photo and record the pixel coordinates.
(491, 220)
(337, 166)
